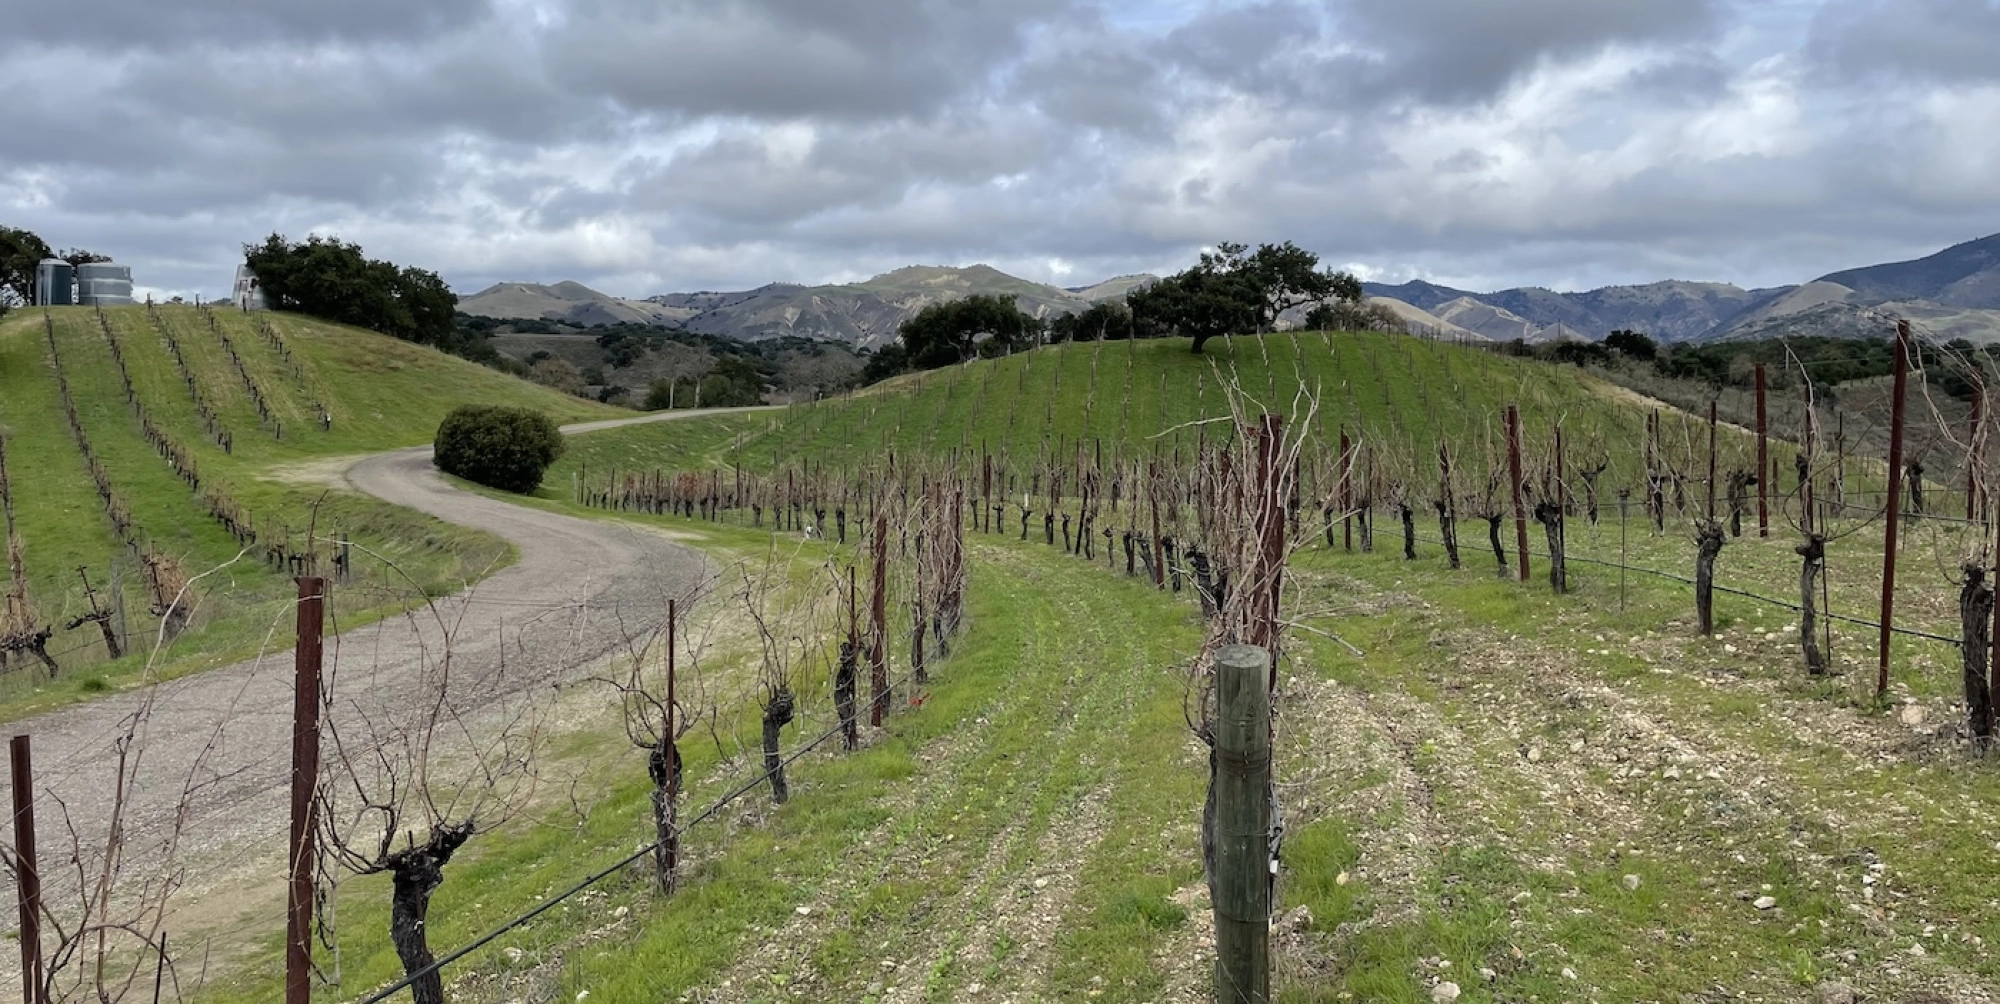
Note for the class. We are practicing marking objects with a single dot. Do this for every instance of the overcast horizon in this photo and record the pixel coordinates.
(651, 147)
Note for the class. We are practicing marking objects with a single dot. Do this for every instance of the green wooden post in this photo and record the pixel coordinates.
(1241, 883)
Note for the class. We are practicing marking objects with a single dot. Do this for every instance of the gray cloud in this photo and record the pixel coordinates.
(1455, 50)
(1952, 40)
(647, 145)
(116, 25)
(787, 58)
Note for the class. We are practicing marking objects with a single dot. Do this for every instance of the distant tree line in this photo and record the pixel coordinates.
(1829, 361)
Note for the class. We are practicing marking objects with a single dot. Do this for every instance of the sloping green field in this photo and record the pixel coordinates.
(282, 467)
(1402, 395)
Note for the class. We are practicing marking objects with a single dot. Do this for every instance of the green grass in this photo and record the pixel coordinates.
(896, 846)
(1401, 392)
(383, 394)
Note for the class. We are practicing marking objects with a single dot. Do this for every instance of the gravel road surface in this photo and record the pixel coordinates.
(579, 590)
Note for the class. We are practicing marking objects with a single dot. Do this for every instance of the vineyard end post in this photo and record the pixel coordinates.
(305, 780)
(28, 887)
(1242, 825)
(1763, 462)
(1514, 472)
(1892, 515)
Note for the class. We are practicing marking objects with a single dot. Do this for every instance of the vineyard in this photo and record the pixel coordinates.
(1657, 683)
(1613, 730)
(166, 442)
(1578, 695)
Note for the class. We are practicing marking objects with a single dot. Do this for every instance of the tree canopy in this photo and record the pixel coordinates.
(20, 252)
(333, 280)
(1632, 343)
(957, 330)
(497, 446)
(1235, 290)
(1110, 320)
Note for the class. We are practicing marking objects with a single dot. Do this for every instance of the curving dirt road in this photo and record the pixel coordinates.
(580, 589)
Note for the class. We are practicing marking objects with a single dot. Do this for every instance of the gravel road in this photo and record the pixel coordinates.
(580, 588)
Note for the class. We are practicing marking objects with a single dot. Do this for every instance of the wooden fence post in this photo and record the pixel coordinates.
(1514, 471)
(305, 782)
(28, 876)
(1241, 789)
(1892, 516)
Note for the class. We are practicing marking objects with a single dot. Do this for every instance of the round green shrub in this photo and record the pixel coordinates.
(496, 446)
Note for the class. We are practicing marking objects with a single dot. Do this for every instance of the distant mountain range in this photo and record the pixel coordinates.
(1952, 294)
(865, 314)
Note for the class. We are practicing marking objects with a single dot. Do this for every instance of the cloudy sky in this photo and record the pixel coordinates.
(643, 146)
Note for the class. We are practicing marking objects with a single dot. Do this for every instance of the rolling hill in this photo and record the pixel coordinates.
(1954, 293)
(1135, 397)
(863, 314)
(259, 383)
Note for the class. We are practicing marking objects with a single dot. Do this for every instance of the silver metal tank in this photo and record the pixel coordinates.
(104, 284)
(53, 277)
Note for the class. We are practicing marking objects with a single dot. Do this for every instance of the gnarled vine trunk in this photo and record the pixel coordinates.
(1708, 544)
(416, 873)
(1448, 530)
(1813, 564)
(1975, 611)
(845, 677)
(1550, 515)
(664, 765)
(1409, 530)
(1493, 521)
(778, 708)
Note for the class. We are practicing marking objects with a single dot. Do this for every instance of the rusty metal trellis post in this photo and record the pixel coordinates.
(1892, 516)
(1514, 471)
(305, 781)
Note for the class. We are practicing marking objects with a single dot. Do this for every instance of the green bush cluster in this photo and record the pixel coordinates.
(497, 446)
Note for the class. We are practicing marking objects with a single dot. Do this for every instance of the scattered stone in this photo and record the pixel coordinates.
(974, 988)
(1340, 879)
(1296, 919)
(1834, 993)
(804, 911)
(1764, 903)
(1445, 992)
(1041, 883)
(1631, 883)
(1534, 754)
(1568, 973)
(1522, 897)
(1488, 975)
(1911, 715)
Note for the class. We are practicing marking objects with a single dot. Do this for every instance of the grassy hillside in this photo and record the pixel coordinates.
(1398, 393)
(280, 469)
